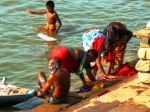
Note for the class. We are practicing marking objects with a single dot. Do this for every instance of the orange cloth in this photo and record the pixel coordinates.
(119, 54)
(50, 26)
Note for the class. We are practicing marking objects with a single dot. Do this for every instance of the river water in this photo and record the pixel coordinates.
(23, 53)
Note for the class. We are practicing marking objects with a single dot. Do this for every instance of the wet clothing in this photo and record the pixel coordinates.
(53, 100)
(50, 26)
(72, 62)
(89, 36)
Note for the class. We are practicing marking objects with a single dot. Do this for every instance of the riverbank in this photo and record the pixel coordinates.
(126, 95)
(36, 104)
(119, 93)
(78, 100)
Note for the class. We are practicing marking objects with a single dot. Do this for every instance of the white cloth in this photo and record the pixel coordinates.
(88, 38)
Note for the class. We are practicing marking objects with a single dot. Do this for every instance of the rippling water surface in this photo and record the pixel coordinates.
(23, 53)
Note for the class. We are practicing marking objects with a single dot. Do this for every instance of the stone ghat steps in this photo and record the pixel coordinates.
(40, 105)
(143, 65)
(142, 33)
(75, 98)
(129, 95)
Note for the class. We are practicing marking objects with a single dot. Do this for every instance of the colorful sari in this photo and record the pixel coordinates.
(94, 38)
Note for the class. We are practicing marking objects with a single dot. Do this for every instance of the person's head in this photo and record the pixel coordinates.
(50, 5)
(113, 32)
(54, 64)
(108, 43)
(93, 54)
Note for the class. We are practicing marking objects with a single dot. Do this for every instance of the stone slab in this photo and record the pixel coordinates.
(142, 45)
(40, 105)
(141, 103)
(142, 33)
(143, 66)
(144, 77)
(144, 53)
(143, 98)
(37, 104)
(145, 41)
(119, 99)
(130, 107)
(45, 107)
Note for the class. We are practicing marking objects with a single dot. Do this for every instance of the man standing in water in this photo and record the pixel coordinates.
(56, 88)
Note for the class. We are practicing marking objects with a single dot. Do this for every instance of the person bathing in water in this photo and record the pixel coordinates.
(56, 87)
(52, 17)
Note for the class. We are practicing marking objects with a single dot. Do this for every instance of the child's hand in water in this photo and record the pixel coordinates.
(29, 11)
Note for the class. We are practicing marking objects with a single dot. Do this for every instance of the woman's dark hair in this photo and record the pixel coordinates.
(93, 53)
(112, 31)
(109, 41)
(50, 3)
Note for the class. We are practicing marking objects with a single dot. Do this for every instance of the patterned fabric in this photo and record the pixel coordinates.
(94, 38)
(119, 54)
(89, 36)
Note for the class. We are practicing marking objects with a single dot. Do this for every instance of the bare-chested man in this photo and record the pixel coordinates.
(56, 88)
(52, 18)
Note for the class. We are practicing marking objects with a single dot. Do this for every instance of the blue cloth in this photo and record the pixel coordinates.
(88, 38)
(84, 88)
